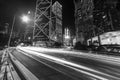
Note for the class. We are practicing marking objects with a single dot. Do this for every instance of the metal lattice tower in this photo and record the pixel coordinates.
(42, 22)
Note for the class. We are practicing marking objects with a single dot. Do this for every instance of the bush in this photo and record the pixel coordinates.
(79, 46)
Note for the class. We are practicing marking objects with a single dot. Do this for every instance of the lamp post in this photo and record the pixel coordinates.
(11, 31)
(28, 19)
(24, 18)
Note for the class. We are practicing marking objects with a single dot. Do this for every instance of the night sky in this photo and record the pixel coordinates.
(9, 8)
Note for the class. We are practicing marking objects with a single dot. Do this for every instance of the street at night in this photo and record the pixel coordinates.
(81, 66)
(60, 40)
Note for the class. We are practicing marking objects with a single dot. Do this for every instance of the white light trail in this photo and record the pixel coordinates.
(103, 58)
(74, 66)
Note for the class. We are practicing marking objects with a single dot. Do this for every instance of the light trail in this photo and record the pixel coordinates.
(107, 59)
(70, 64)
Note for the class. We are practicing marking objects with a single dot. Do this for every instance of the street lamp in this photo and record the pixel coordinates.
(25, 18)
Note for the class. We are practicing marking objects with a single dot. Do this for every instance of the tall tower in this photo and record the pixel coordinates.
(42, 21)
(83, 19)
(56, 29)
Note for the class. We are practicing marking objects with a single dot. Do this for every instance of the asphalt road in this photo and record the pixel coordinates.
(39, 69)
(49, 65)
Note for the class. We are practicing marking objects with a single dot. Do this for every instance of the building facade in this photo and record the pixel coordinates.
(83, 19)
(104, 15)
(95, 17)
(42, 21)
(48, 22)
(105, 18)
(56, 28)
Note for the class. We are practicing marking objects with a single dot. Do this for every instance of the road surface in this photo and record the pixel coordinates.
(39, 68)
(57, 64)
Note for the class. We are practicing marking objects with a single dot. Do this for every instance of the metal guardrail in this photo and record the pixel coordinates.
(25, 74)
(8, 72)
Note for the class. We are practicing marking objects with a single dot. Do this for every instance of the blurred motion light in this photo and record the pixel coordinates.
(104, 16)
(67, 37)
(29, 12)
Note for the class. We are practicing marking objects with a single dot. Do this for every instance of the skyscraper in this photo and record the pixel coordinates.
(83, 19)
(56, 28)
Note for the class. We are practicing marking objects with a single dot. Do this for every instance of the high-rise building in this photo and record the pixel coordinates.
(94, 17)
(106, 18)
(42, 21)
(104, 15)
(83, 19)
(48, 22)
(56, 29)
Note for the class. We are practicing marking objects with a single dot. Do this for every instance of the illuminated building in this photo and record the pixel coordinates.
(48, 22)
(56, 28)
(67, 37)
(42, 21)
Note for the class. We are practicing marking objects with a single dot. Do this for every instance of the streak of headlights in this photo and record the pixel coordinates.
(76, 67)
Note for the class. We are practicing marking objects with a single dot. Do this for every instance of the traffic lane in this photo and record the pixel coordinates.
(114, 61)
(83, 69)
(94, 64)
(65, 70)
(73, 53)
(70, 71)
(39, 69)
